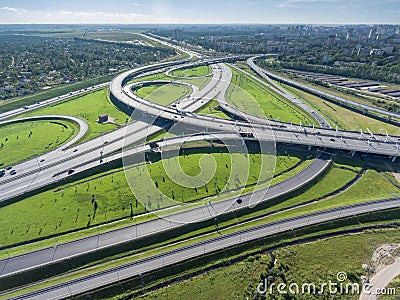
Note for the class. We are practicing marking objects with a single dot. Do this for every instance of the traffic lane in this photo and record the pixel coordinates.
(177, 256)
(110, 147)
(205, 212)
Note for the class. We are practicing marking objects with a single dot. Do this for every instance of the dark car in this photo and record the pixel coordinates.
(13, 172)
(9, 168)
(239, 201)
(71, 171)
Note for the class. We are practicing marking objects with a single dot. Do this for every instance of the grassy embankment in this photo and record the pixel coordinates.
(88, 108)
(164, 94)
(21, 141)
(193, 72)
(315, 262)
(256, 99)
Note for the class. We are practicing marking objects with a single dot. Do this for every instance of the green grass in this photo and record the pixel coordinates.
(326, 185)
(372, 186)
(193, 72)
(55, 92)
(211, 110)
(164, 94)
(316, 262)
(346, 119)
(88, 108)
(253, 98)
(21, 141)
(221, 284)
(199, 82)
(155, 249)
(322, 260)
(68, 208)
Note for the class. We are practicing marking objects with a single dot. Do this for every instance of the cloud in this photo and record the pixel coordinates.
(99, 14)
(12, 10)
(314, 1)
(297, 3)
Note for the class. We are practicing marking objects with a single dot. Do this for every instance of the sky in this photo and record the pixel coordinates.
(199, 11)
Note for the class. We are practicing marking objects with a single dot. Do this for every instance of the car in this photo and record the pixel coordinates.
(76, 150)
(13, 172)
(239, 200)
(71, 171)
(332, 140)
(2, 172)
(9, 168)
(42, 160)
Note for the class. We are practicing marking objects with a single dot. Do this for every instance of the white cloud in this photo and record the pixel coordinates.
(296, 3)
(12, 10)
(99, 14)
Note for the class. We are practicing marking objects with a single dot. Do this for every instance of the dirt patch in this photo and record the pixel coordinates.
(385, 255)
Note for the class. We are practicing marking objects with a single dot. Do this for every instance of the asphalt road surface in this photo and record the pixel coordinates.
(91, 282)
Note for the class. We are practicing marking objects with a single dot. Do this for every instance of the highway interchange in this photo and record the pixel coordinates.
(151, 118)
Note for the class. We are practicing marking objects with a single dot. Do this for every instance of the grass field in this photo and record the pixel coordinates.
(58, 91)
(372, 186)
(315, 262)
(70, 207)
(199, 82)
(103, 183)
(346, 119)
(21, 141)
(88, 108)
(210, 110)
(193, 72)
(322, 260)
(251, 97)
(164, 94)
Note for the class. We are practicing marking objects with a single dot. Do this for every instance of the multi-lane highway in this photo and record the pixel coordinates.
(30, 177)
(125, 99)
(152, 118)
(363, 107)
(44, 103)
(115, 275)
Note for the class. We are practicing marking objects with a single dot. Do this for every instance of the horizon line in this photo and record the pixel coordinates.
(209, 23)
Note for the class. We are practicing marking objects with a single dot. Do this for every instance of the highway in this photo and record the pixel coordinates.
(279, 90)
(363, 107)
(115, 275)
(30, 177)
(171, 220)
(152, 118)
(44, 103)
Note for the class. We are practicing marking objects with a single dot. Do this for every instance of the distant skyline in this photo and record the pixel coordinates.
(200, 12)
